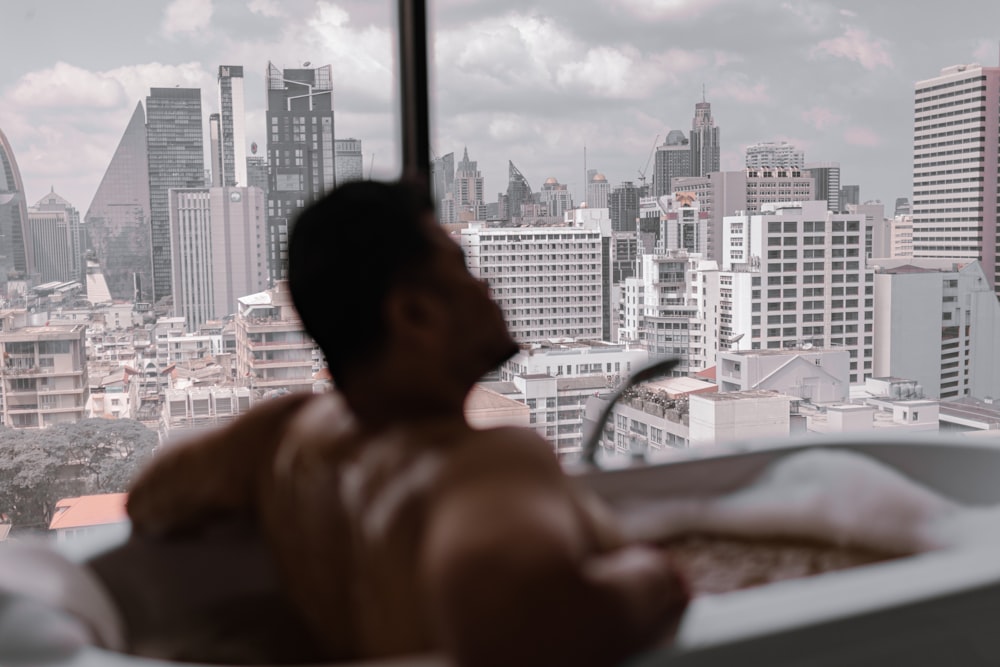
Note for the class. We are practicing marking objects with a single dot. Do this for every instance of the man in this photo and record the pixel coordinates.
(396, 527)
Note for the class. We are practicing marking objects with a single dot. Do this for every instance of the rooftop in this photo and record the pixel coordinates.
(99, 510)
(730, 396)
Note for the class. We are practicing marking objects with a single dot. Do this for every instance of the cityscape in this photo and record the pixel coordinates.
(794, 301)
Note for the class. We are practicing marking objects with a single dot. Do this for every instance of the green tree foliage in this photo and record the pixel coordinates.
(38, 467)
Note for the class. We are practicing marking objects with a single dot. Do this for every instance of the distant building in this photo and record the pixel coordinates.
(902, 206)
(938, 322)
(44, 375)
(849, 195)
(300, 151)
(118, 220)
(957, 220)
(519, 192)
(705, 146)
(878, 229)
(901, 236)
(56, 240)
(348, 159)
(175, 151)
(826, 176)
(86, 516)
(623, 207)
(817, 375)
(202, 408)
(233, 132)
(16, 252)
(257, 173)
(217, 237)
(598, 190)
(273, 350)
(673, 159)
(774, 154)
(555, 197)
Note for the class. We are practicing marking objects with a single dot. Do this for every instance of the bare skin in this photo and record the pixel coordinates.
(400, 529)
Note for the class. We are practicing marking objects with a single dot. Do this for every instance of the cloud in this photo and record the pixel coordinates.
(669, 9)
(821, 117)
(858, 45)
(862, 136)
(186, 17)
(65, 85)
(738, 87)
(267, 8)
(848, 13)
(986, 51)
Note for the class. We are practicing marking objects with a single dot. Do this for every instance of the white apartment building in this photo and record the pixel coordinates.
(555, 379)
(273, 350)
(814, 375)
(955, 166)
(598, 190)
(551, 281)
(796, 274)
(901, 236)
(939, 326)
(218, 250)
(683, 225)
(202, 407)
(43, 377)
(671, 308)
(774, 154)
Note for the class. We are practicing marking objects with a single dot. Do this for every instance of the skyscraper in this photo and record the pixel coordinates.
(215, 147)
(16, 256)
(175, 150)
(118, 220)
(826, 176)
(955, 175)
(623, 207)
(55, 240)
(442, 177)
(233, 132)
(518, 191)
(598, 190)
(673, 159)
(704, 140)
(217, 239)
(300, 151)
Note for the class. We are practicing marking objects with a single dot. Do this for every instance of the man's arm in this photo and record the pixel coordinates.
(513, 579)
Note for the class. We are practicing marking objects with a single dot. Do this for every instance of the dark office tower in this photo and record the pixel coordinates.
(826, 175)
(518, 191)
(623, 207)
(16, 256)
(257, 173)
(704, 141)
(849, 194)
(233, 132)
(673, 159)
(176, 160)
(215, 147)
(442, 177)
(902, 206)
(300, 151)
(117, 222)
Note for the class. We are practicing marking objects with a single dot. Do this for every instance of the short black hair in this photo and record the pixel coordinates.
(346, 253)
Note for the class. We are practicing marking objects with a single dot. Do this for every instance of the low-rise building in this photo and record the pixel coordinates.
(812, 374)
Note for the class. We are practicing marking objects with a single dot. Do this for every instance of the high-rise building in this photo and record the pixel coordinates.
(623, 207)
(796, 274)
(348, 160)
(215, 148)
(442, 177)
(901, 236)
(16, 255)
(938, 323)
(683, 225)
(567, 294)
(704, 141)
(233, 131)
(217, 240)
(469, 187)
(118, 220)
(902, 206)
(878, 231)
(518, 192)
(176, 154)
(774, 154)
(55, 240)
(673, 159)
(955, 174)
(257, 173)
(556, 198)
(849, 195)
(598, 190)
(300, 151)
(826, 175)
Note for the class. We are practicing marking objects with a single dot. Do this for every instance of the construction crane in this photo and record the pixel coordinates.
(642, 172)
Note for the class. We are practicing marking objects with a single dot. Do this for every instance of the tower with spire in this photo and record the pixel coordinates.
(704, 139)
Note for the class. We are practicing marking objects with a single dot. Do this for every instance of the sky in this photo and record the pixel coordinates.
(533, 82)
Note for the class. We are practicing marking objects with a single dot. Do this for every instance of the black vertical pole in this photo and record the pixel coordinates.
(415, 133)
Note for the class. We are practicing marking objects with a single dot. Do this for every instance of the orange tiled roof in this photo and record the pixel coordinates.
(707, 374)
(89, 511)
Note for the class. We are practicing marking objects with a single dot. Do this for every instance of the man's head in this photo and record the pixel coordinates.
(372, 274)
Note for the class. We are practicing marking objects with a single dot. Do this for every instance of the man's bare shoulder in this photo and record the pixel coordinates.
(502, 452)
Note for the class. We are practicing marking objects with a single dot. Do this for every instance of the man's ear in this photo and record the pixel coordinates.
(410, 311)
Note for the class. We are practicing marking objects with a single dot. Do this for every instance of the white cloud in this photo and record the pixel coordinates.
(858, 45)
(185, 17)
(740, 88)
(68, 86)
(267, 8)
(669, 9)
(986, 51)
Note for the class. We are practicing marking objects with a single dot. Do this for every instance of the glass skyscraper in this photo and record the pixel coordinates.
(15, 254)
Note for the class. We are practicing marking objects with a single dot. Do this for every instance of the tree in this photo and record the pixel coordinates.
(38, 467)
